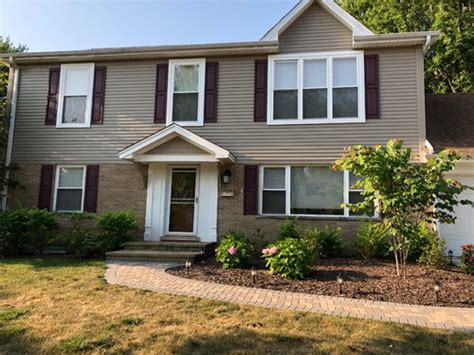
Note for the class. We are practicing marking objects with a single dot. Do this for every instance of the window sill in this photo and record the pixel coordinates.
(272, 122)
(322, 218)
(186, 123)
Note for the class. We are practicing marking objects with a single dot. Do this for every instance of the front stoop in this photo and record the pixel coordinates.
(163, 251)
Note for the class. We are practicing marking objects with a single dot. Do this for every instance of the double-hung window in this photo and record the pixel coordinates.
(69, 188)
(186, 92)
(316, 88)
(307, 191)
(75, 95)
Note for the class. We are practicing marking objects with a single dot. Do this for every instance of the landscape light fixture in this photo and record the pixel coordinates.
(340, 281)
(450, 255)
(437, 290)
(254, 275)
(188, 266)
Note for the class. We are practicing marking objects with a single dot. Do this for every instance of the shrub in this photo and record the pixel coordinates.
(289, 229)
(433, 251)
(82, 238)
(116, 227)
(234, 250)
(311, 236)
(467, 258)
(330, 242)
(24, 227)
(289, 258)
(372, 240)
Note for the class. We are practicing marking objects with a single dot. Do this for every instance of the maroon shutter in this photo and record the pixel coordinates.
(161, 91)
(210, 95)
(372, 91)
(250, 189)
(92, 188)
(46, 186)
(260, 104)
(98, 95)
(53, 91)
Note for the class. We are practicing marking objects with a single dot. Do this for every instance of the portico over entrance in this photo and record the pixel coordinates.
(183, 178)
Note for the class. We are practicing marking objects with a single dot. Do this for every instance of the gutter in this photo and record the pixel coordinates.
(146, 52)
(404, 39)
(8, 156)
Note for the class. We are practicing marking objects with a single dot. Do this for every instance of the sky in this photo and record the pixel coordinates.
(83, 24)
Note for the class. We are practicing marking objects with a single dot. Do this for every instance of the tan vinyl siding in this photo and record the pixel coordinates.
(315, 30)
(129, 106)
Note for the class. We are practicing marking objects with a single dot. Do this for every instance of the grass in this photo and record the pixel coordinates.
(63, 306)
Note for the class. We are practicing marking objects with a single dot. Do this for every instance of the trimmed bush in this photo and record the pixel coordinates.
(372, 240)
(82, 238)
(330, 242)
(234, 251)
(433, 251)
(116, 227)
(92, 236)
(289, 258)
(289, 229)
(467, 258)
(23, 227)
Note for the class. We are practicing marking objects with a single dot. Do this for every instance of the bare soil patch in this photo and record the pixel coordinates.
(371, 280)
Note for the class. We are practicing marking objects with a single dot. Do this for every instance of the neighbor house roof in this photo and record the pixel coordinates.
(450, 121)
(362, 38)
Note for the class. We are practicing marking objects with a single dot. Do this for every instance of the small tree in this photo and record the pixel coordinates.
(407, 194)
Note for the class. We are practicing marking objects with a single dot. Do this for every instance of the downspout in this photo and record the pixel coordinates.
(427, 44)
(11, 128)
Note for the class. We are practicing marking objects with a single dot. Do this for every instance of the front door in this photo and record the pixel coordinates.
(182, 202)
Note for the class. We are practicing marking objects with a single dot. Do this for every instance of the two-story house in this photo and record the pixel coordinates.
(198, 140)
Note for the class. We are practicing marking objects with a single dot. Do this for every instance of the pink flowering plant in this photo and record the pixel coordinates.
(467, 258)
(289, 257)
(234, 251)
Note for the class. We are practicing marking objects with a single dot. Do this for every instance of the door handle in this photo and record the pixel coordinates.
(196, 200)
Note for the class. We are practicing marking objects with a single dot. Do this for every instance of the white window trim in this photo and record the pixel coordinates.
(56, 186)
(201, 85)
(288, 195)
(329, 57)
(62, 84)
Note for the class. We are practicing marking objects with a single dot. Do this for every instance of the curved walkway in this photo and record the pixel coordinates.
(152, 276)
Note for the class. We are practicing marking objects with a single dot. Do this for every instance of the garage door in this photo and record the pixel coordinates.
(462, 232)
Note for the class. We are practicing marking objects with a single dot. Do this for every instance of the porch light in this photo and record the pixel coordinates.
(340, 281)
(450, 255)
(226, 176)
(254, 275)
(437, 290)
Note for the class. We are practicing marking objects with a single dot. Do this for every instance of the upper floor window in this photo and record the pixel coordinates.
(186, 92)
(75, 95)
(316, 88)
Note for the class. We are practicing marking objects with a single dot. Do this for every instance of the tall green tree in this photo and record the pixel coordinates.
(408, 194)
(6, 46)
(449, 65)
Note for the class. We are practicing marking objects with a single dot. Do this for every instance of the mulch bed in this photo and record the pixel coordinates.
(371, 280)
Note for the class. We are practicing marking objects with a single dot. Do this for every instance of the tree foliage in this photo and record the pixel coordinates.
(449, 63)
(408, 194)
(6, 46)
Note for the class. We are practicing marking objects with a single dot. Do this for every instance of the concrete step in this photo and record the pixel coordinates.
(179, 238)
(153, 255)
(170, 246)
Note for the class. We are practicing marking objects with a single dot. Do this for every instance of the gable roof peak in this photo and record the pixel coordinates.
(358, 29)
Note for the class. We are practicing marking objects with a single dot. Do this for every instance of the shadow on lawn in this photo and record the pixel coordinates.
(406, 340)
(50, 262)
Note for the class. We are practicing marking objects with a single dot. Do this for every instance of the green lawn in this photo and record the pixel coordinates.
(54, 305)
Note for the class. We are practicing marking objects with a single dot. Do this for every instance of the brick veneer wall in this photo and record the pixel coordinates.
(121, 187)
(230, 216)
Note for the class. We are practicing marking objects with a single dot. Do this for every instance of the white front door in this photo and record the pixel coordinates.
(183, 198)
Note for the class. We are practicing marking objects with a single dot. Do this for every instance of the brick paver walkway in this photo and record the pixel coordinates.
(152, 276)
